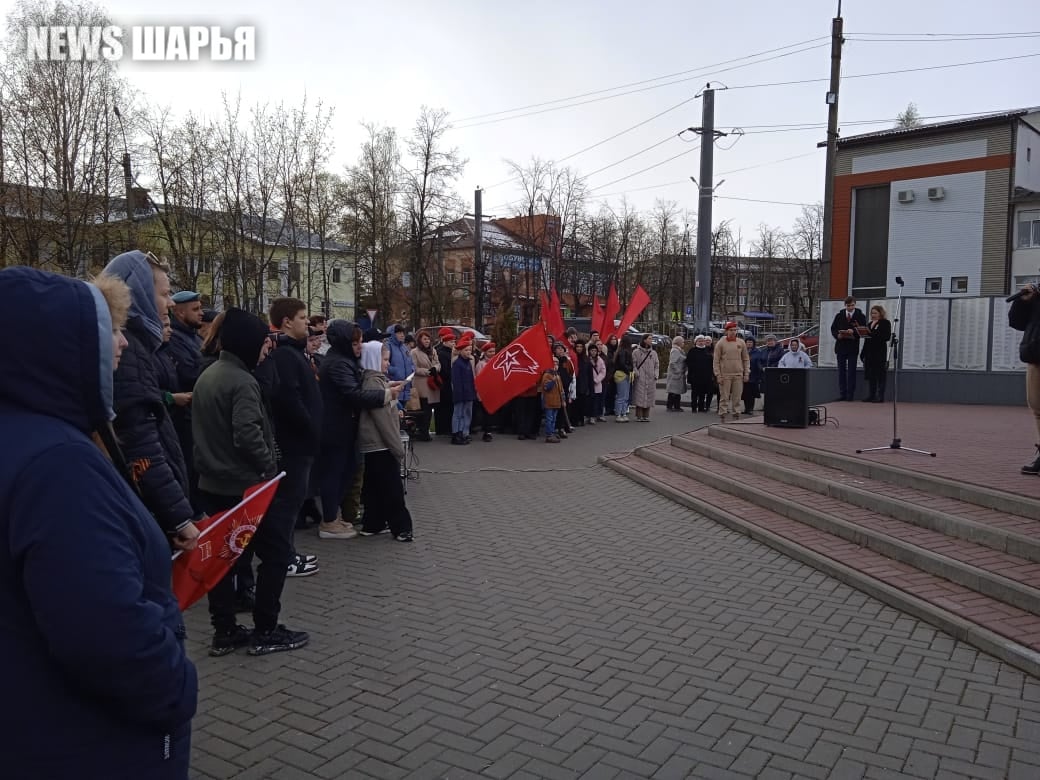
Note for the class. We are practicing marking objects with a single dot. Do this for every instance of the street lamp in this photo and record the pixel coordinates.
(128, 181)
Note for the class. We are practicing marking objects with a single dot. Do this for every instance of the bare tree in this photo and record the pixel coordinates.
(57, 164)
(804, 263)
(430, 202)
(371, 217)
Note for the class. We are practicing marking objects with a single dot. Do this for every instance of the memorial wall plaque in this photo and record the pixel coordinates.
(926, 323)
(969, 334)
(826, 357)
(1005, 340)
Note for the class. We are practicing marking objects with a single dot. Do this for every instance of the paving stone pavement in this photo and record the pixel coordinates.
(571, 624)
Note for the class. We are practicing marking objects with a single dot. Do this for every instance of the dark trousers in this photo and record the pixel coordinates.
(674, 401)
(609, 396)
(877, 382)
(596, 405)
(383, 494)
(338, 465)
(272, 544)
(700, 396)
(488, 422)
(847, 375)
(582, 408)
(528, 415)
(442, 413)
(422, 419)
(350, 506)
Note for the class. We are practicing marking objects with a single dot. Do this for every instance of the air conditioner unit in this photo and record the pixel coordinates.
(936, 193)
(905, 196)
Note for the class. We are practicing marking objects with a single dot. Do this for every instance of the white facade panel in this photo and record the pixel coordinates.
(1025, 255)
(930, 239)
(940, 153)
(1027, 158)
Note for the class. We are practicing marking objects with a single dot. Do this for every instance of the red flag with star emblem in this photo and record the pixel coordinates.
(222, 539)
(514, 369)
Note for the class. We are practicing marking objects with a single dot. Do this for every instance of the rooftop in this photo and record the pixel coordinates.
(935, 128)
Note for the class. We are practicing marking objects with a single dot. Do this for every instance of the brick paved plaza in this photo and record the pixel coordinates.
(552, 623)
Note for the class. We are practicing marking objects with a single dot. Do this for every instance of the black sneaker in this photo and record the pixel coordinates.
(486, 437)
(374, 533)
(225, 642)
(277, 640)
(298, 567)
(405, 537)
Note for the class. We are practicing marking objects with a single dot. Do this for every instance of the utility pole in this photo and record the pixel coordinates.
(832, 149)
(478, 260)
(702, 278)
(128, 183)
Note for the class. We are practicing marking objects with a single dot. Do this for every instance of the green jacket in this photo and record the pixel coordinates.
(234, 443)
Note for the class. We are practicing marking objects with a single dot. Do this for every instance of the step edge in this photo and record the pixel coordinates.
(979, 495)
(975, 531)
(1001, 647)
(990, 584)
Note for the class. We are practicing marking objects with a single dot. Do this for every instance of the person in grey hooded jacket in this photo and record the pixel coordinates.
(142, 423)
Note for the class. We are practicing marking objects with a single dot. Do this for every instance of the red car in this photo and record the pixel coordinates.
(810, 341)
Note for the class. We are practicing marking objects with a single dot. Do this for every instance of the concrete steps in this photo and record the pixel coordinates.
(956, 561)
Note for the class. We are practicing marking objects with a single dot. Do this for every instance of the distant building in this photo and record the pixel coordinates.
(951, 207)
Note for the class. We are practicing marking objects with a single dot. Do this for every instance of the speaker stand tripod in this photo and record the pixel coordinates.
(897, 443)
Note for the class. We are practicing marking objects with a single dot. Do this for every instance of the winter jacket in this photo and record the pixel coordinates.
(296, 401)
(401, 365)
(234, 439)
(757, 362)
(91, 637)
(166, 376)
(731, 359)
(622, 361)
(773, 355)
(463, 386)
(676, 376)
(552, 390)
(841, 322)
(340, 381)
(1025, 316)
(799, 359)
(423, 365)
(584, 376)
(444, 355)
(379, 428)
(186, 350)
(599, 374)
(648, 370)
(874, 353)
(700, 370)
(143, 424)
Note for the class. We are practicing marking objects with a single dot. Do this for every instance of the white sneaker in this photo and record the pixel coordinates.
(337, 529)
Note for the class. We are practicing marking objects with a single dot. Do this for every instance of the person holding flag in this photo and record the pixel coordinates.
(234, 450)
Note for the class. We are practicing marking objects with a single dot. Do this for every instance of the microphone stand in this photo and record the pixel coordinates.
(897, 443)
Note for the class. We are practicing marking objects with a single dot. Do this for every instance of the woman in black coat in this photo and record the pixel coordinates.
(875, 353)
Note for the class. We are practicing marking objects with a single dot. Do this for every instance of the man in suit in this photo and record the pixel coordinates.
(846, 346)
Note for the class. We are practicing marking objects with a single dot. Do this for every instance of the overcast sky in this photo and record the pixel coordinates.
(381, 61)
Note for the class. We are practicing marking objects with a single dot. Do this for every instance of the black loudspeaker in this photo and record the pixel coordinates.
(787, 397)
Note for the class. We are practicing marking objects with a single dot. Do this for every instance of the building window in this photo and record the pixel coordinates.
(958, 284)
(294, 272)
(933, 285)
(467, 277)
(273, 272)
(781, 301)
(741, 301)
(743, 282)
(336, 276)
(1028, 229)
(449, 277)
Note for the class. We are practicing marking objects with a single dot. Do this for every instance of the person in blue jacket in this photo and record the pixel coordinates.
(92, 661)
(401, 364)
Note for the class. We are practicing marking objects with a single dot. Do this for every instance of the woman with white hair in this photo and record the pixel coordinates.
(676, 375)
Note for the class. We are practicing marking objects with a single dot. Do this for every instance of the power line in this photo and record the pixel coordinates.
(940, 40)
(648, 168)
(639, 83)
(960, 34)
(891, 72)
(698, 77)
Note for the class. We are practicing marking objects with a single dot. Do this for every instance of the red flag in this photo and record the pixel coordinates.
(555, 320)
(613, 310)
(640, 300)
(514, 369)
(224, 538)
(543, 308)
(597, 316)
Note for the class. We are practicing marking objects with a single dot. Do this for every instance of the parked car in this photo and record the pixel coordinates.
(478, 337)
(810, 339)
